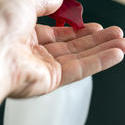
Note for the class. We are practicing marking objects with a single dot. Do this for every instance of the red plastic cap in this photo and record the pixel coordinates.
(71, 13)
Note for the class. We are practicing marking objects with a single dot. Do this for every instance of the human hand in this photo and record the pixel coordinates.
(37, 59)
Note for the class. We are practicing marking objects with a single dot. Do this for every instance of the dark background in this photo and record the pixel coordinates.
(108, 100)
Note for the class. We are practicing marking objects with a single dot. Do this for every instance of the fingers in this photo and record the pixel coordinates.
(63, 34)
(90, 28)
(117, 43)
(45, 34)
(84, 67)
(84, 43)
(95, 39)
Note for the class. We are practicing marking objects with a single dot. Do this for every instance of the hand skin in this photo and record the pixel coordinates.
(37, 59)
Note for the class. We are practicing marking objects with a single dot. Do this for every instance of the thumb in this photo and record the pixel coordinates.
(46, 7)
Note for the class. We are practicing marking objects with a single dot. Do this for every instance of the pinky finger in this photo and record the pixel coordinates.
(78, 69)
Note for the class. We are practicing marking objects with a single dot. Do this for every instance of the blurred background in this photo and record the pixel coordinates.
(108, 99)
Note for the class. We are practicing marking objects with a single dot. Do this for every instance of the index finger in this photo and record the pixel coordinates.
(48, 34)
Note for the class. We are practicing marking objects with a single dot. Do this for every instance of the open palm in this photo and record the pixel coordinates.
(61, 56)
(57, 56)
(40, 58)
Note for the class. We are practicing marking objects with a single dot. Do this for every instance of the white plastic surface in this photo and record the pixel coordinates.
(66, 106)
